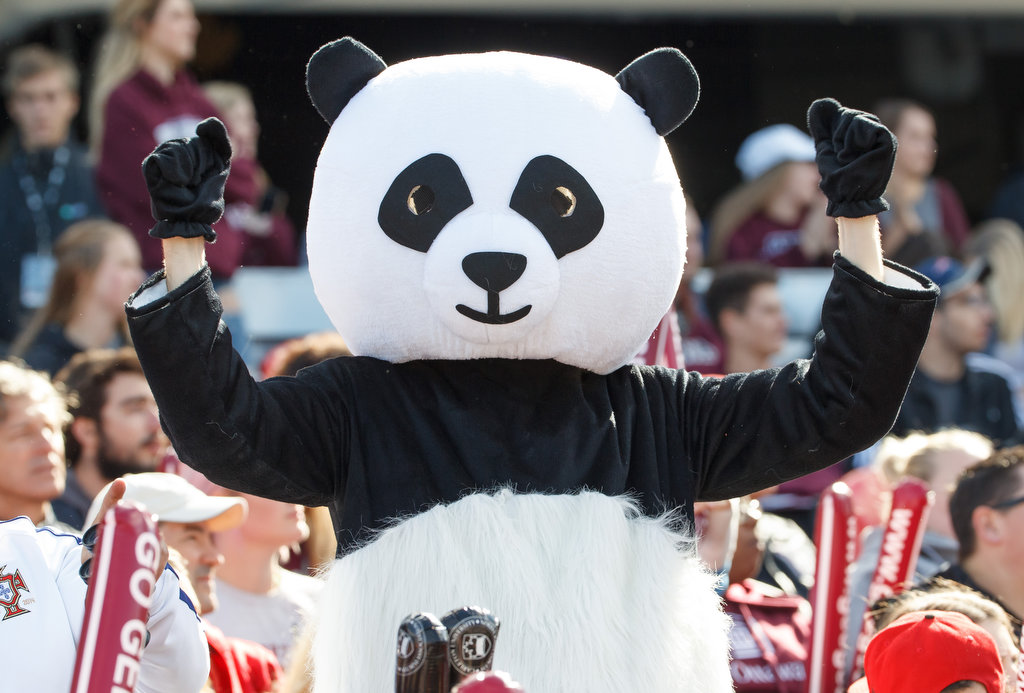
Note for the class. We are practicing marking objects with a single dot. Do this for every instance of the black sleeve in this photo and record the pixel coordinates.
(283, 438)
(749, 431)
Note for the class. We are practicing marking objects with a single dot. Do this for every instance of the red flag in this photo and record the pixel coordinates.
(121, 586)
(664, 348)
(901, 545)
(836, 538)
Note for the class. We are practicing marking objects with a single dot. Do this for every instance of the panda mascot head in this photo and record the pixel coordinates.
(510, 206)
(497, 205)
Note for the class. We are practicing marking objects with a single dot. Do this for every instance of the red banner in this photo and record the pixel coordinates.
(901, 545)
(835, 536)
(121, 585)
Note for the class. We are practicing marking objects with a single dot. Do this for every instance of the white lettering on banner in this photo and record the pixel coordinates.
(133, 637)
(895, 546)
(142, 576)
(147, 550)
(749, 672)
(126, 671)
(743, 672)
(838, 658)
(792, 671)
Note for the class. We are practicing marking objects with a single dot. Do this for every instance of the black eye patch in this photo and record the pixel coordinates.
(423, 198)
(558, 200)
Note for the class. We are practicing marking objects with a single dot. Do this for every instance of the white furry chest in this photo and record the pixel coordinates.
(591, 595)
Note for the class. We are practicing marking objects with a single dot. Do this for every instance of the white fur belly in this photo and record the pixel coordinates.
(592, 597)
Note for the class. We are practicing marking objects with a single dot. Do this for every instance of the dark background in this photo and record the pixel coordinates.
(754, 71)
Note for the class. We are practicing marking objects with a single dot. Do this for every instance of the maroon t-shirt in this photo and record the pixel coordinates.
(140, 114)
(766, 240)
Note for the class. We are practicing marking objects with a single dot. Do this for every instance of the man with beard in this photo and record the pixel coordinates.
(114, 429)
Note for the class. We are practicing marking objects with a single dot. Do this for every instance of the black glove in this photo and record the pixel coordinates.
(89, 542)
(855, 157)
(186, 180)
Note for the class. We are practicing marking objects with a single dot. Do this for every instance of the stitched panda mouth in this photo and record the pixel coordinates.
(493, 316)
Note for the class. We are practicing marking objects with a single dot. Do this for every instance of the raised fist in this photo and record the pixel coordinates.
(855, 154)
(186, 180)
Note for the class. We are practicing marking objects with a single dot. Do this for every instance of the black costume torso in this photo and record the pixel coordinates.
(376, 440)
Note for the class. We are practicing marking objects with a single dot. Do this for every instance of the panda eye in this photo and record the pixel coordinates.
(422, 199)
(563, 201)
(558, 200)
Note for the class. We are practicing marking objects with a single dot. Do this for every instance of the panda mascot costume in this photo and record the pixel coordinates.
(495, 236)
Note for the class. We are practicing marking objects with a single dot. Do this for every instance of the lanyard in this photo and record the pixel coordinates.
(39, 202)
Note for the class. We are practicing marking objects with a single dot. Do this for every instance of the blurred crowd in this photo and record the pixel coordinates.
(76, 412)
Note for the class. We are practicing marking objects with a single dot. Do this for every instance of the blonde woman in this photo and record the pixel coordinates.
(271, 236)
(1001, 243)
(98, 267)
(143, 95)
(777, 215)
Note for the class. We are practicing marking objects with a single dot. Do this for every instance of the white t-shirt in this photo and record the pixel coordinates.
(275, 619)
(43, 599)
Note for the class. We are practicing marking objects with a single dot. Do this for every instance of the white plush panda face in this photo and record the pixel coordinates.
(495, 205)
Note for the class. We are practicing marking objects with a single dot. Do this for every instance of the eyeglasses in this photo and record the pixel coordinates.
(968, 301)
(1009, 503)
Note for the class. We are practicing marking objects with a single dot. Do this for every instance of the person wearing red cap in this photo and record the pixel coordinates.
(931, 652)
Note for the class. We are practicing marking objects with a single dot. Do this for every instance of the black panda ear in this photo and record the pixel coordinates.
(337, 72)
(665, 85)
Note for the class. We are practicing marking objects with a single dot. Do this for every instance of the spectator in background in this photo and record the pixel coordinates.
(1000, 243)
(937, 459)
(685, 337)
(945, 391)
(46, 183)
(114, 428)
(987, 509)
(97, 270)
(288, 358)
(926, 217)
(188, 518)
(292, 355)
(933, 652)
(260, 600)
(944, 595)
(777, 215)
(39, 646)
(32, 472)
(770, 634)
(142, 96)
(271, 237)
(744, 306)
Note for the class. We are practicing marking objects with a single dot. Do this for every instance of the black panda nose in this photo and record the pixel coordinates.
(494, 271)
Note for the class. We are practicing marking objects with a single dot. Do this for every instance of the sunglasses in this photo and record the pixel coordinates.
(1009, 503)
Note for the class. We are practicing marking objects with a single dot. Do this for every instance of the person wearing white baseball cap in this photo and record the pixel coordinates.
(188, 518)
(43, 600)
(777, 215)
